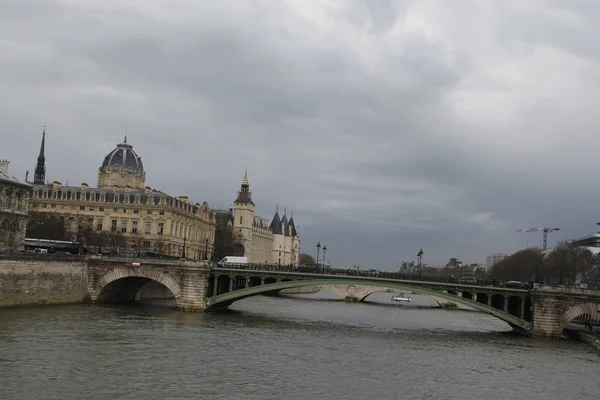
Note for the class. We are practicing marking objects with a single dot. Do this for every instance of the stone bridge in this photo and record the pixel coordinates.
(544, 311)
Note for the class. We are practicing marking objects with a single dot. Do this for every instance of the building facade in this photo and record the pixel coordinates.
(264, 242)
(146, 219)
(14, 206)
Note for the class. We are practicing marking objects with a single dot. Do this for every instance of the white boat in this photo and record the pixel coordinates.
(401, 297)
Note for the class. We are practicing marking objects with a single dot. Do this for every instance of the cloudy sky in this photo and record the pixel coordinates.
(386, 126)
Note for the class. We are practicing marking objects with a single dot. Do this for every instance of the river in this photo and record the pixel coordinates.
(283, 348)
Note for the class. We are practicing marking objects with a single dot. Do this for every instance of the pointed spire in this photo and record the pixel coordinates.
(43, 146)
(245, 180)
(125, 140)
(39, 176)
(284, 210)
(277, 208)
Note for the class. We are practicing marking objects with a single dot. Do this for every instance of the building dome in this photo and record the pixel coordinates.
(124, 156)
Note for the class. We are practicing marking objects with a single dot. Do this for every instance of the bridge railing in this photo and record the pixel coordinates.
(317, 269)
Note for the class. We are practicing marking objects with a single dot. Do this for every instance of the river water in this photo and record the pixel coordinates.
(283, 348)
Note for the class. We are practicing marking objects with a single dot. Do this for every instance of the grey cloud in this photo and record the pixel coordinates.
(387, 126)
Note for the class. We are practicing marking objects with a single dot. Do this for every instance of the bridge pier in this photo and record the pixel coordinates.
(194, 288)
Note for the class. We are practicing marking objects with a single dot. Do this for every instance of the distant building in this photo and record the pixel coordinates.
(147, 219)
(591, 240)
(454, 262)
(14, 206)
(275, 242)
(493, 259)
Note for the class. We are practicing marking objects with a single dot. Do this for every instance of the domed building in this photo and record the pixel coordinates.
(122, 167)
(123, 213)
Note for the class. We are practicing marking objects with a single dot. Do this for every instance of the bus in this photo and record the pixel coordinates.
(53, 246)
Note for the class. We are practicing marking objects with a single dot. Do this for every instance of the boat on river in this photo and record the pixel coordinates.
(401, 297)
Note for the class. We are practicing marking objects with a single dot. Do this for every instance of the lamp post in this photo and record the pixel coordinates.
(324, 251)
(318, 251)
(183, 251)
(420, 256)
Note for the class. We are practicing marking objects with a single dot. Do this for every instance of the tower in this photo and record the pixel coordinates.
(243, 217)
(39, 177)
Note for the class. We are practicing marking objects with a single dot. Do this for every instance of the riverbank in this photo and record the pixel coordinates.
(585, 336)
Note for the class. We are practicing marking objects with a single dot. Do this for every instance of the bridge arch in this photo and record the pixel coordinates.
(122, 284)
(584, 309)
(225, 299)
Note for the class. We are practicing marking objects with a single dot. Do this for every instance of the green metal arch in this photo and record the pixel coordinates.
(228, 298)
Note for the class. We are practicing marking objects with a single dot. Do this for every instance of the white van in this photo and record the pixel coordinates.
(40, 251)
(229, 260)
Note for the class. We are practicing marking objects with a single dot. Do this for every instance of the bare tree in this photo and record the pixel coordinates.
(568, 263)
(524, 266)
(305, 259)
(50, 226)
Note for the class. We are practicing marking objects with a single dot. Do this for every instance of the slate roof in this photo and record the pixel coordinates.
(124, 156)
(12, 180)
(276, 224)
(293, 230)
(244, 198)
(286, 226)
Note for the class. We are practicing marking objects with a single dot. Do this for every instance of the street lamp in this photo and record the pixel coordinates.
(420, 256)
(318, 251)
(183, 251)
(324, 251)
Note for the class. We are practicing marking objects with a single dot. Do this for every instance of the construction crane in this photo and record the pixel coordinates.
(544, 230)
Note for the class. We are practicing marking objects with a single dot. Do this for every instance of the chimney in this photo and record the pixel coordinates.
(4, 166)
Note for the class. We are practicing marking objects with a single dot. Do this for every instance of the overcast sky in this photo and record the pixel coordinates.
(386, 126)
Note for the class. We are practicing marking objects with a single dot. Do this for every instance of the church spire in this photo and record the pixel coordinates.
(39, 177)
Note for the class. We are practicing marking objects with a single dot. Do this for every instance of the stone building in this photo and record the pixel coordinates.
(264, 242)
(148, 219)
(14, 206)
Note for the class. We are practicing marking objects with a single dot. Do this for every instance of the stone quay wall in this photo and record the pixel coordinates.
(29, 282)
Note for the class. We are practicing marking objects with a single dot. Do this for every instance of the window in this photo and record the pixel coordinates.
(7, 201)
(44, 205)
(52, 205)
(149, 212)
(99, 209)
(241, 220)
(113, 225)
(161, 213)
(124, 226)
(161, 227)
(81, 208)
(134, 226)
(92, 209)
(99, 225)
(125, 210)
(148, 227)
(136, 211)
(147, 244)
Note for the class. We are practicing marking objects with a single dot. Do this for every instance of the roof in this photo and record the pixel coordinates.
(124, 156)
(286, 225)
(276, 224)
(293, 230)
(12, 180)
(244, 198)
(121, 191)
